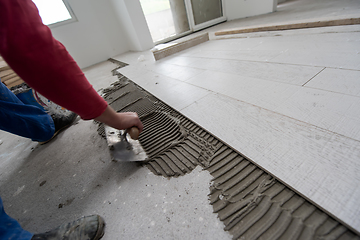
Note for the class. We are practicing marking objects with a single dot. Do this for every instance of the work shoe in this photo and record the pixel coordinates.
(85, 228)
(61, 122)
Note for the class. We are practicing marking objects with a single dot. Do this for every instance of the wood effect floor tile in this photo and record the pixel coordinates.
(337, 80)
(307, 158)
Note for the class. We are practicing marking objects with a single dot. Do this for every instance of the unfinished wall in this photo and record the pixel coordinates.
(104, 29)
(235, 9)
(96, 35)
(131, 17)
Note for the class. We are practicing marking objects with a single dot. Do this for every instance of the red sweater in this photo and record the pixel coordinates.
(29, 48)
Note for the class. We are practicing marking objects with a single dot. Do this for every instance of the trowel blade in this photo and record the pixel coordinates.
(121, 149)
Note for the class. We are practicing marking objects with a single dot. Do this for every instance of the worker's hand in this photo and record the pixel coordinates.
(130, 119)
(120, 121)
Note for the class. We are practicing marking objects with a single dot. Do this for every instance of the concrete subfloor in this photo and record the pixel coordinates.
(290, 103)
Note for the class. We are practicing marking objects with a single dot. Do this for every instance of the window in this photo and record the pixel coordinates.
(53, 12)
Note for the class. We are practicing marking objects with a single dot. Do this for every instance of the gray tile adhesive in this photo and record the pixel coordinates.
(251, 203)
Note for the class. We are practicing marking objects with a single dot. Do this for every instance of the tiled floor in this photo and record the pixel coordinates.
(290, 103)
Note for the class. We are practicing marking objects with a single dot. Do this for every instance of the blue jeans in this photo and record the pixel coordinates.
(23, 119)
(26, 121)
(10, 229)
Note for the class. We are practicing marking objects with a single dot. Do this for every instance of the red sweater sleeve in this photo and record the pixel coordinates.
(29, 48)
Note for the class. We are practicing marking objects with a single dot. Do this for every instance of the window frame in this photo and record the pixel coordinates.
(64, 22)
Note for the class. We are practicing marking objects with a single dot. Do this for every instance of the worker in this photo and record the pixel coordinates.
(29, 48)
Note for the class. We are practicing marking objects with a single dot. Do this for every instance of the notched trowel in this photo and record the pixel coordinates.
(123, 147)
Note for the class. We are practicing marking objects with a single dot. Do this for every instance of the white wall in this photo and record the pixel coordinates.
(96, 35)
(131, 17)
(235, 9)
(103, 30)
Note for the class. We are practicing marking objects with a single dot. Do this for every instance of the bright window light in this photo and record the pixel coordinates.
(52, 11)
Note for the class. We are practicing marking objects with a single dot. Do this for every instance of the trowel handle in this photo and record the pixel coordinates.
(133, 132)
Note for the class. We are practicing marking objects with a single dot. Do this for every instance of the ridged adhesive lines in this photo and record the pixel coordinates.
(250, 202)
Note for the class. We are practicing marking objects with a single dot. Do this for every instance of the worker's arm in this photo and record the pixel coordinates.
(120, 120)
(29, 48)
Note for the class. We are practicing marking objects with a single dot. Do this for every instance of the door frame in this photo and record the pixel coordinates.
(192, 26)
(205, 24)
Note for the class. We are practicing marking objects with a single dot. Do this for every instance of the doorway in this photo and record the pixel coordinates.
(171, 19)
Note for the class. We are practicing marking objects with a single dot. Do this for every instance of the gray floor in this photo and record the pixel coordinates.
(292, 106)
